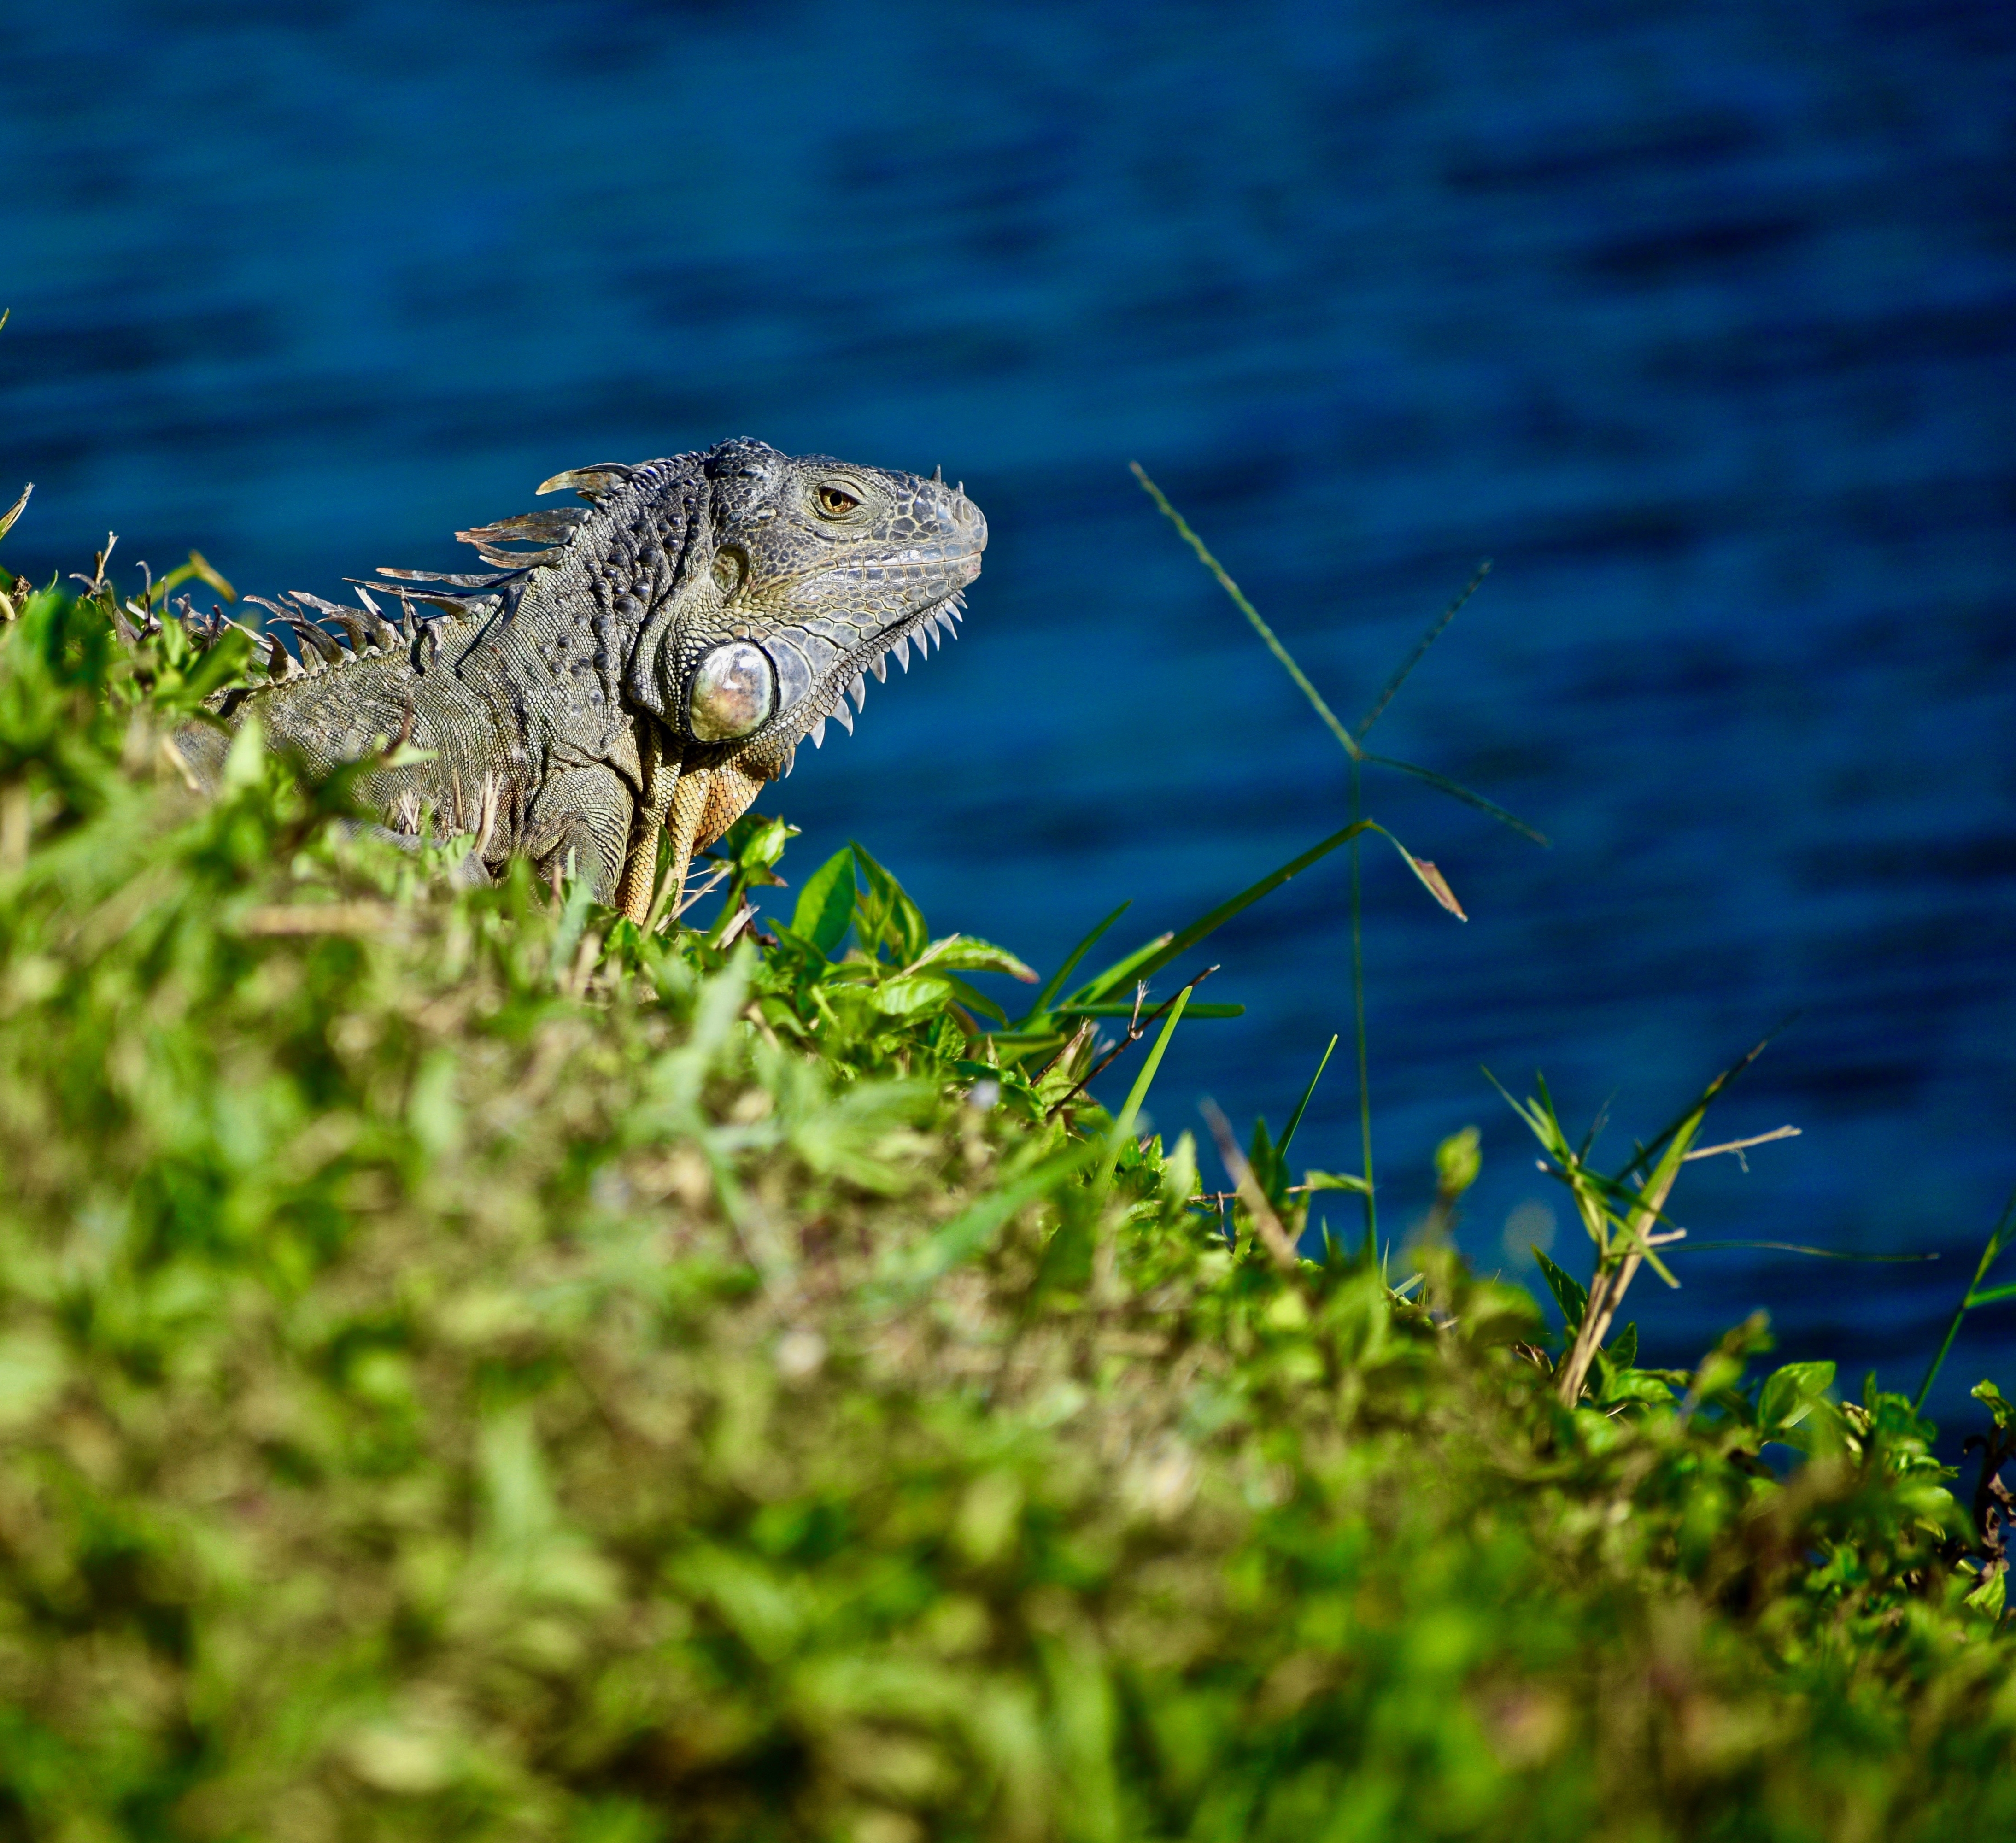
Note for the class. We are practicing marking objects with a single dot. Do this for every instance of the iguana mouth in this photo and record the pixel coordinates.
(936, 621)
(821, 656)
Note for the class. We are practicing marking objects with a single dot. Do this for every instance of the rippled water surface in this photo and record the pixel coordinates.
(1699, 319)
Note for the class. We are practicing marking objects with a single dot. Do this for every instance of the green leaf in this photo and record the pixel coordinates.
(1722, 1368)
(1458, 1160)
(885, 916)
(754, 842)
(1570, 1295)
(1336, 1180)
(1991, 1596)
(1996, 1403)
(825, 905)
(911, 994)
(1634, 1385)
(975, 1001)
(1791, 1394)
(961, 953)
(1623, 1349)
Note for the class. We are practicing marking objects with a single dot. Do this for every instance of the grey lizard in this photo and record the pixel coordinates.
(644, 662)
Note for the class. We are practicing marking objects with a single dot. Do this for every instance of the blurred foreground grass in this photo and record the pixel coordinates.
(471, 1370)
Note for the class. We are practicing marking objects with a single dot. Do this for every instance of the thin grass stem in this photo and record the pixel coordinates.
(1106, 1255)
(1420, 648)
(1973, 1297)
(1302, 1107)
(1130, 1111)
(1358, 1016)
(1267, 633)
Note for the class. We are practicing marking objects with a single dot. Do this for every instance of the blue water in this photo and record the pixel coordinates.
(1699, 317)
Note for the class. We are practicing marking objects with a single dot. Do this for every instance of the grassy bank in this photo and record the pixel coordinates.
(470, 1369)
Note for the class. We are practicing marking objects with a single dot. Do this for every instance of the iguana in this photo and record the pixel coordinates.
(650, 661)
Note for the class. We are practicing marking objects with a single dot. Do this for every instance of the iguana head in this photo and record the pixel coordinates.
(805, 573)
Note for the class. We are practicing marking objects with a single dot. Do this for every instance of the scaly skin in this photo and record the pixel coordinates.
(591, 691)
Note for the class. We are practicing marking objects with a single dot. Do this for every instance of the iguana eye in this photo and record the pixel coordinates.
(734, 691)
(835, 503)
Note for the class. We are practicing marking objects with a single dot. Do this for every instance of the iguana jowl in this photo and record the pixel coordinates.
(653, 660)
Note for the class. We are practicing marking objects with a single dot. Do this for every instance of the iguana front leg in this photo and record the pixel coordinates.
(640, 859)
(702, 803)
(584, 813)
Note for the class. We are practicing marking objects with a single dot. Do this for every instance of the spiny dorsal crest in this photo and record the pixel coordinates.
(307, 619)
(548, 533)
(364, 627)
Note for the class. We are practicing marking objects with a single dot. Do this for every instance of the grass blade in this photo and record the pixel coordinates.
(1794, 1247)
(1056, 982)
(1302, 1106)
(1420, 647)
(1273, 1235)
(1123, 1008)
(1252, 613)
(14, 511)
(1140, 965)
(969, 1233)
(1123, 1122)
(1352, 746)
(1457, 790)
(1359, 1033)
(1120, 972)
(1692, 1117)
(1973, 1297)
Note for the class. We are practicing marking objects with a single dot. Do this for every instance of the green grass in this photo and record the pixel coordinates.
(470, 1368)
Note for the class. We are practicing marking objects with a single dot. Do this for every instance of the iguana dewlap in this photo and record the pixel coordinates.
(650, 662)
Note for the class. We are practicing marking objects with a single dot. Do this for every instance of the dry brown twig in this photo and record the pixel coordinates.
(1137, 1029)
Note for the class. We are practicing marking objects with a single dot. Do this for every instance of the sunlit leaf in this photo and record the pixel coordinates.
(825, 907)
